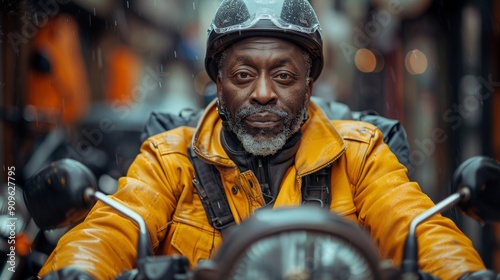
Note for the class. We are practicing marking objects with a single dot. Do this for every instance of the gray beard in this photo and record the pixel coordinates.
(274, 143)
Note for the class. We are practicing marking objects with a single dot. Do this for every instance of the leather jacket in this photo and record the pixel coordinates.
(369, 187)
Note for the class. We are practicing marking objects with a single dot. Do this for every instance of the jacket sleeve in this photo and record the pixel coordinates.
(387, 202)
(104, 244)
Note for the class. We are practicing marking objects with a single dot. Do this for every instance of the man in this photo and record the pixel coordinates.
(263, 135)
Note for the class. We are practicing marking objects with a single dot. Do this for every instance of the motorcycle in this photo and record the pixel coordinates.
(298, 243)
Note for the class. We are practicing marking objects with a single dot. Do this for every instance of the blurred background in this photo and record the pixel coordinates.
(79, 78)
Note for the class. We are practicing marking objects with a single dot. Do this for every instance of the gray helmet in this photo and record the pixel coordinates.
(292, 20)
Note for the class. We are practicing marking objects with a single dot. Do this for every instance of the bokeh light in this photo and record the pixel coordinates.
(416, 62)
(369, 61)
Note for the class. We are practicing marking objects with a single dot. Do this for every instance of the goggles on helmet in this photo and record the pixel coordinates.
(291, 15)
(292, 20)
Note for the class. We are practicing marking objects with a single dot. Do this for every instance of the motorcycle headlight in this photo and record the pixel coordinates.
(294, 243)
(301, 255)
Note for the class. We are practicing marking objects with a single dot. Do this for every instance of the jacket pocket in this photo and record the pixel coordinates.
(194, 242)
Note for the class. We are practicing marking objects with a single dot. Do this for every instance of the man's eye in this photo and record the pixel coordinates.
(284, 76)
(243, 75)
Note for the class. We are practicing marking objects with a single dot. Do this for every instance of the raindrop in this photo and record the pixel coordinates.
(175, 54)
(194, 6)
(99, 58)
(94, 11)
(128, 5)
(393, 75)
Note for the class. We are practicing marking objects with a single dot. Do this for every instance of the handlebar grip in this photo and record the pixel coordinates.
(481, 175)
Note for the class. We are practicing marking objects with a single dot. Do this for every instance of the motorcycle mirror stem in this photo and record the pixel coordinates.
(476, 193)
(144, 247)
(148, 266)
(409, 265)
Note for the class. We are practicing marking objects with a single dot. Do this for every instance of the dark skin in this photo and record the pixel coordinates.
(267, 72)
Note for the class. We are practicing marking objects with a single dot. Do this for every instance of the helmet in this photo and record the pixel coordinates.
(292, 20)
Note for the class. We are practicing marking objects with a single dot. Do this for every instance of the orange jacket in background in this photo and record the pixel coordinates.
(61, 95)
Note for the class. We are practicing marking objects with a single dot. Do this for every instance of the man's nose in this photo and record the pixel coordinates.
(263, 92)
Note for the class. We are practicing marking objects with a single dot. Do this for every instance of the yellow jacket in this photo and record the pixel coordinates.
(369, 186)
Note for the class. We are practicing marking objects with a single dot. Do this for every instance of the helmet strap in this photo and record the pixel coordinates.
(222, 113)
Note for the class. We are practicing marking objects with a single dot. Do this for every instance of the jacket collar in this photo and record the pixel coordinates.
(320, 145)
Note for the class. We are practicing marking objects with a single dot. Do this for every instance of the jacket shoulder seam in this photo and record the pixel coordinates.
(359, 136)
(356, 130)
(168, 142)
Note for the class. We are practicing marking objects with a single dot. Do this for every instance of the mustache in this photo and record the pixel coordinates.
(247, 111)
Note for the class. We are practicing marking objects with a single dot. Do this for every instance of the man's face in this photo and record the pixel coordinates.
(264, 87)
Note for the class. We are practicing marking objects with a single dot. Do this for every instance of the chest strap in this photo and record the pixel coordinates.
(316, 188)
(208, 184)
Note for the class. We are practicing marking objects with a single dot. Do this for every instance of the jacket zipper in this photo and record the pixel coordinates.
(263, 176)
